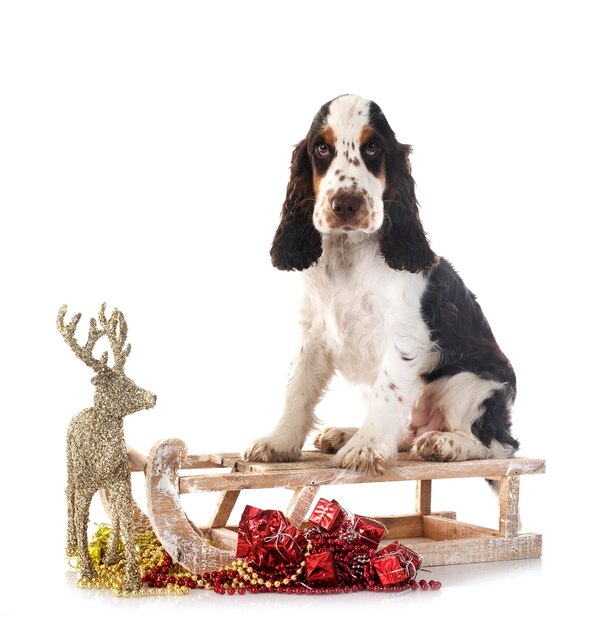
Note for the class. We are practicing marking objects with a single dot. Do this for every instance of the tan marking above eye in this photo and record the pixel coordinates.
(366, 132)
(329, 136)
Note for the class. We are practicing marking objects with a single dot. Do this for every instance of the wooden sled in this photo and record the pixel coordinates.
(438, 537)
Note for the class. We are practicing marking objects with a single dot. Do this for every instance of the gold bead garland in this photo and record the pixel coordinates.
(249, 575)
(151, 554)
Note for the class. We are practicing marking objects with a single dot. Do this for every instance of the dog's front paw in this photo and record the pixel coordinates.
(271, 450)
(364, 458)
(436, 446)
(330, 440)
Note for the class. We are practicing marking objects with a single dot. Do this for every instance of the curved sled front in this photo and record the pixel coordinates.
(181, 539)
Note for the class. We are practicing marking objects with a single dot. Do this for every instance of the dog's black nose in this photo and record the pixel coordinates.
(346, 205)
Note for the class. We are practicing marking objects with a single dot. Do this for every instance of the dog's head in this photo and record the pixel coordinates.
(351, 174)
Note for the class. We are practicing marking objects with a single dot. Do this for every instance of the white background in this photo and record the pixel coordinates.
(144, 153)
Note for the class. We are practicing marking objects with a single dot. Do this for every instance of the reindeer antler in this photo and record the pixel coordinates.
(83, 352)
(116, 330)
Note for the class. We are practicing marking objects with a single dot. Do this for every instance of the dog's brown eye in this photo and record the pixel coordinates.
(372, 149)
(322, 150)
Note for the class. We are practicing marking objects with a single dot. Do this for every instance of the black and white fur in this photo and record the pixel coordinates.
(381, 308)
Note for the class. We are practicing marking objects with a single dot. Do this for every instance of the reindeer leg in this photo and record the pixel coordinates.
(111, 556)
(71, 535)
(83, 497)
(123, 500)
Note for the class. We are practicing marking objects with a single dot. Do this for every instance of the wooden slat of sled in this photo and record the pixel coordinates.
(409, 470)
(478, 549)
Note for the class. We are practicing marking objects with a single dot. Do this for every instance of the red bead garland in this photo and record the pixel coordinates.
(227, 581)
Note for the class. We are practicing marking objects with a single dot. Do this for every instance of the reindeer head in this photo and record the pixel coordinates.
(115, 392)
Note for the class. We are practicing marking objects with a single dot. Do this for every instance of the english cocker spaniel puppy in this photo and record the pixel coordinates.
(381, 308)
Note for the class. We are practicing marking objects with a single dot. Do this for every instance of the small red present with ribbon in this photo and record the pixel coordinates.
(267, 538)
(285, 542)
(244, 540)
(327, 515)
(396, 563)
(369, 530)
(320, 568)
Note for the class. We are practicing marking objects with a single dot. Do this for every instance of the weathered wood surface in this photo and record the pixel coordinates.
(313, 460)
(408, 526)
(437, 536)
(137, 460)
(478, 550)
(225, 538)
(423, 496)
(508, 498)
(320, 471)
(178, 535)
(223, 508)
(300, 504)
(441, 529)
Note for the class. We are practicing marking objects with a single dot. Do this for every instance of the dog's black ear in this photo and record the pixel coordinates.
(297, 244)
(403, 242)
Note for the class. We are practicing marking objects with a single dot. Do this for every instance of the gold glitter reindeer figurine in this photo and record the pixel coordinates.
(97, 457)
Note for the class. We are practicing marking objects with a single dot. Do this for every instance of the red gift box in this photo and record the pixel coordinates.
(390, 570)
(368, 530)
(283, 543)
(320, 568)
(244, 540)
(413, 557)
(396, 563)
(327, 515)
(267, 538)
